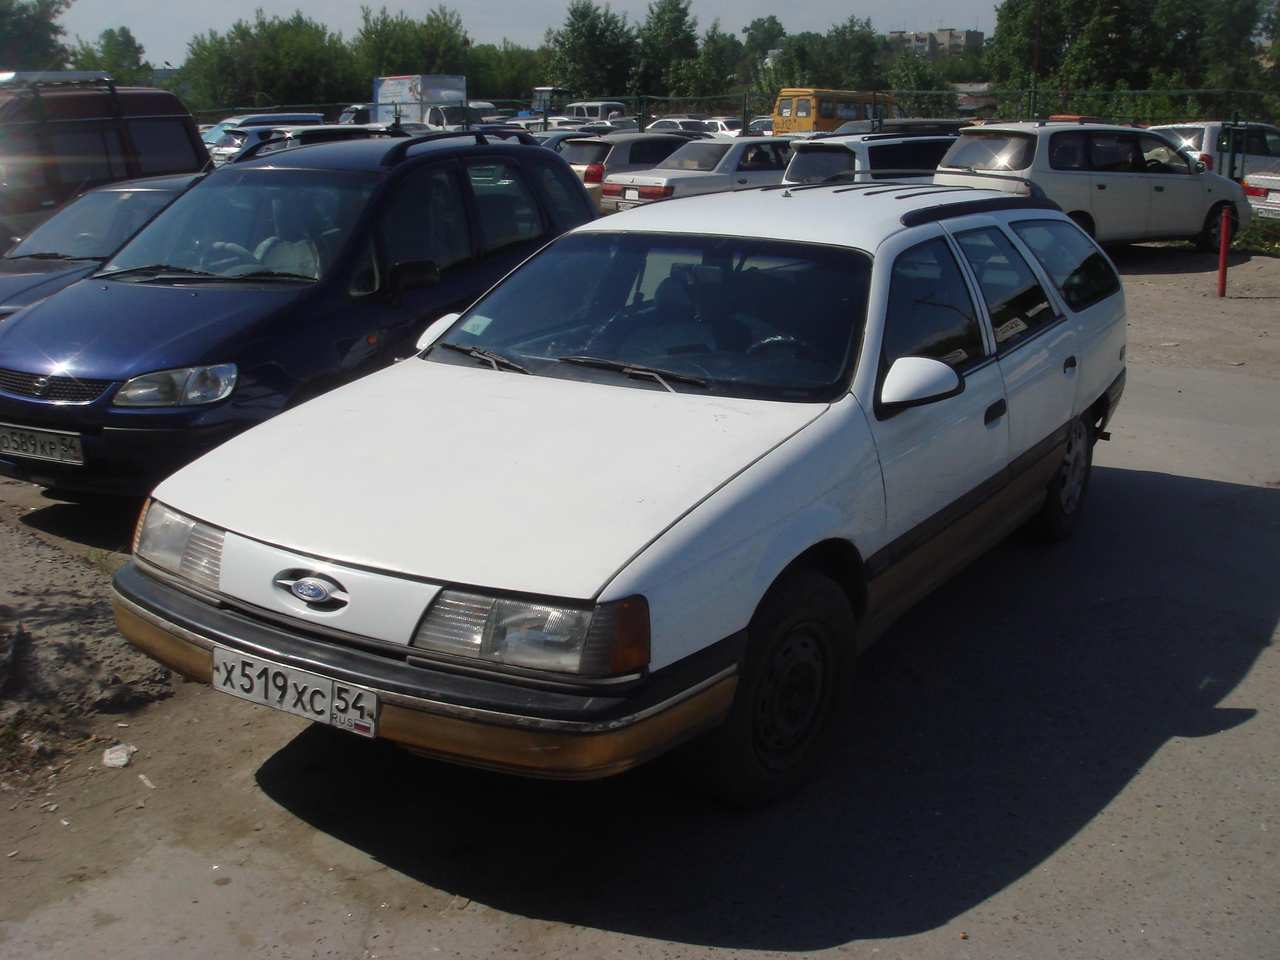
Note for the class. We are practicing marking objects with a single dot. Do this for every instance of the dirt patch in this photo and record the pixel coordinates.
(62, 661)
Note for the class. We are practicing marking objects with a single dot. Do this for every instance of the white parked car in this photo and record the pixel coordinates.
(677, 124)
(1263, 191)
(723, 126)
(855, 158)
(1257, 145)
(594, 158)
(700, 166)
(663, 481)
(1118, 183)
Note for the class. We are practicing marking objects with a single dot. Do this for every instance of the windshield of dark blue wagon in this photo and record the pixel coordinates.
(240, 222)
(753, 318)
(94, 226)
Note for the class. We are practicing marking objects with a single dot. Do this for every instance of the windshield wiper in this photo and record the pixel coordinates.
(156, 269)
(51, 256)
(270, 275)
(496, 360)
(637, 370)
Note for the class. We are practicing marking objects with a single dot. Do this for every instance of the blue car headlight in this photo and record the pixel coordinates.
(188, 386)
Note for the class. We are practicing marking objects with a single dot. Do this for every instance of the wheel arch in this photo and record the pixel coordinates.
(1084, 221)
(840, 560)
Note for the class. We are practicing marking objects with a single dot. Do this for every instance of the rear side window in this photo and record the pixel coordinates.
(426, 219)
(815, 164)
(163, 146)
(826, 108)
(1076, 266)
(564, 196)
(652, 151)
(584, 151)
(508, 213)
(1017, 303)
(762, 156)
(1115, 153)
(915, 155)
(86, 155)
(698, 155)
(1069, 151)
(929, 312)
(991, 151)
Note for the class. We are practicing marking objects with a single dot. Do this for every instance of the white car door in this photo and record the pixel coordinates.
(1121, 197)
(1178, 202)
(1035, 343)
(935, 456)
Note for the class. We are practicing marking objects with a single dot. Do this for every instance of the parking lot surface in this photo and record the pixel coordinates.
(1067, 751)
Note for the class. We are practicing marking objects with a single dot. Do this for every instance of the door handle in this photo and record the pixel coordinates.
(743, 180)
(1159, 189)
(995, 412)
(1069, 364)
(1102, 186)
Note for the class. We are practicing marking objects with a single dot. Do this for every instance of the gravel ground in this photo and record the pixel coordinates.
(1063, 753)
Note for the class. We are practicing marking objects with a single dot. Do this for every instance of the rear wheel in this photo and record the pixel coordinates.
(1065, 499)
(797, 659)
(1210, 238)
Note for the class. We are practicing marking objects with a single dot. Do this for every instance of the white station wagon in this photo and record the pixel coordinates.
(671, 499)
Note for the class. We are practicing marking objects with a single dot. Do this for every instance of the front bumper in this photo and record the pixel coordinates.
(482, 722)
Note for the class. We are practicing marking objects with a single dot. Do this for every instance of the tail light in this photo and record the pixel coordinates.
(613, 189)
(655, 193)
(1251, 191)
(594, 173)
(1207, 160)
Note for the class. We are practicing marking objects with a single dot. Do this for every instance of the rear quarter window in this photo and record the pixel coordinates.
(816, 164)
(995, 150)
(1079, 271)
(921, 156)
(163, 146)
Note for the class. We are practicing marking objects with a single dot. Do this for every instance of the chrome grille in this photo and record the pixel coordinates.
(455, 623)
(202, 560)
(58, 389)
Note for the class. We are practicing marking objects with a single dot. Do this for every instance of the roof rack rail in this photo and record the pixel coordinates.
(49, 78)
(401, 149)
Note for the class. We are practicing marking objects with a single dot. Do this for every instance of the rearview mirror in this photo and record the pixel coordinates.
(437, 327)
(411, 275)
(915, 381)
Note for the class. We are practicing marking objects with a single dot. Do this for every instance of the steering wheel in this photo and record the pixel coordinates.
(223, 256)
(784, 342)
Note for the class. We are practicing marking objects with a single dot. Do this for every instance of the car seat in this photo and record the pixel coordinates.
(293, 247)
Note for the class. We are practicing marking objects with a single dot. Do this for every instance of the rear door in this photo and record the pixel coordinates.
(1121, 196)
(1035, 345)
(1178, 204)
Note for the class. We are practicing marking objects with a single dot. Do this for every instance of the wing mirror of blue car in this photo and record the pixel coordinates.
(433, 332)
(915, 381)
(411, 275)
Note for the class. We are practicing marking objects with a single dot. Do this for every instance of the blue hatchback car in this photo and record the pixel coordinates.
(266, 284)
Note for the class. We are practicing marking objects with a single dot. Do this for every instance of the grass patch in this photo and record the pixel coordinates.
(1262, 237)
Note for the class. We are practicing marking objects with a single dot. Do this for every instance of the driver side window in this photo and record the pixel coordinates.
(929, 312)
(1160, 157)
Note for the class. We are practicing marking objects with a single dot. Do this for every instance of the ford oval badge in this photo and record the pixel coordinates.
(311, 590)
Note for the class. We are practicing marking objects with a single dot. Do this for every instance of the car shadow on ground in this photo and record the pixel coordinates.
(1148, 259)
(104, 523)
(993, 724)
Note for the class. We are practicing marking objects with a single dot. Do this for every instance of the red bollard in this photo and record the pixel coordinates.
(1224, 243)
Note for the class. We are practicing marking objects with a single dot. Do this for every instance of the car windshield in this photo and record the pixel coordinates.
(286, 223)
(996, 150)
(460, 114)
(729, 316)
(816, 164)
(1185, 137)
(697, 155)
(94, 226)
(216, 132)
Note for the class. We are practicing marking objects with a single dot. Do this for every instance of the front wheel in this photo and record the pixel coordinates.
(1064, 500)
(1210, 237)
(800, 645)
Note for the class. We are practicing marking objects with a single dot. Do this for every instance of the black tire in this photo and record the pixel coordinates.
(1083, 221)
(1064, 500)
(798, 660)
(1209, 238)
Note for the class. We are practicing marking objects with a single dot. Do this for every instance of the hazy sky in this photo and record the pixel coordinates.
(163, 28)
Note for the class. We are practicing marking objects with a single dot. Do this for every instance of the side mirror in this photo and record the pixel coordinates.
(411, 275)
(915, 381)
(437, 327)
(1199, 166)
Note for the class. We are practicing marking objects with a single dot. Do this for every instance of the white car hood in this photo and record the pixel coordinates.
(479, 477)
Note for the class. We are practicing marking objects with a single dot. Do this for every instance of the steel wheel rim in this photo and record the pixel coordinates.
(790, 697)
(1075, 463)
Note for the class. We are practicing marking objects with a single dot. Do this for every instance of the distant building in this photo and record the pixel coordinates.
(937, 44)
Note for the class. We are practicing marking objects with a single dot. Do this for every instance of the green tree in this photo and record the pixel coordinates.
(117, 52)
(910, 73)
(713, 71)
(505, 71)
(668, 36)
(390, 45)
(269, 61)
(30, 35)
(759, 37)
(593, 52)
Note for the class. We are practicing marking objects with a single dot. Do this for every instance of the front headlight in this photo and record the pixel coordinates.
(180, 544)
(185, 387)
(602, 640)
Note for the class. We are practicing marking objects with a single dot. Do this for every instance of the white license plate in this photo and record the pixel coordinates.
(1270, 213)
(18, 441)
(631, 194)
(299, 692)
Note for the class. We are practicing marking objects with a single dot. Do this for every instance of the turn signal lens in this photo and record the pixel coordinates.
(1251, 191)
